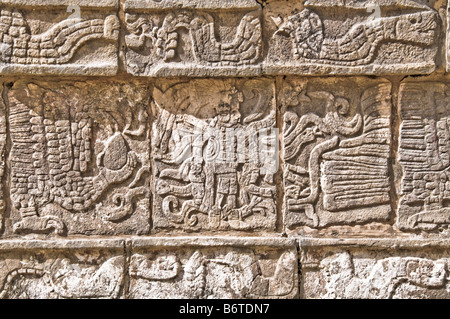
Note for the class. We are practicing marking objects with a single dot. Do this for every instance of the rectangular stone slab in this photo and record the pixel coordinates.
(49, 38)
(80, 158)
(193, 38)
(336, 147)
(351, 37)
(215, 155)
(218, 267)
(424, 156)
(62, 270)
(3, 156)
(374, 269)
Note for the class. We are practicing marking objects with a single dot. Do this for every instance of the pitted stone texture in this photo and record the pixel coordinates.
(170, 38)
(336, 146)
(80, 158)
(254, 268)
(64, 38)
(424, 156)
(215, 155)
(351, 37)
(69, 273)
(3, 156)
(353, 273)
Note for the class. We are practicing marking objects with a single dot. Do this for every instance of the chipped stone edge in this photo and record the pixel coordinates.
(105, 69)
(37, 244)
(373, 243)
(103, 4)
(447, 40)
(190, 4)
(316, 69)
(176, 242)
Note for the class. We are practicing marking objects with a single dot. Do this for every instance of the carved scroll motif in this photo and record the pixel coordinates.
(60, 171)
(336, 151)
(215, 165)
(184, 41)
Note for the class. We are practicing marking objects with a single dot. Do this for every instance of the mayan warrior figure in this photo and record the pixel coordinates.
(223, 184)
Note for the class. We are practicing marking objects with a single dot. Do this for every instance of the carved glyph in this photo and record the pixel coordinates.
(382, 39)
(424, 156)
(61, 275)
(215, 155)
(336, 149)
(233, 272)
(66, 45)
(165, 41)
(347, 274)
(71, 146)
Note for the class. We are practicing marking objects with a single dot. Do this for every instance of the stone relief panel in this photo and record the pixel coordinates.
(375, 274)
(193, 38)
(204, 271)
(336, 148)
(351, 37)
(69, 38)
(62, 273)
(424, 156)
(215, 155)
(79, 158)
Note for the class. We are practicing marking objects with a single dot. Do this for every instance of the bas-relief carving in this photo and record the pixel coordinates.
(215, 155)
(424, 156)
(387, 37)
(79, 158)
(32, 42)
(223, 273)
(336, 139)
(180, 42)
(374, 275)
(61, 274)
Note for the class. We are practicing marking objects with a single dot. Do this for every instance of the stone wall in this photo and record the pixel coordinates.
(224, 149)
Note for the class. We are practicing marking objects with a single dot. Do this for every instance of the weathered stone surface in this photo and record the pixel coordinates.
(355, 273)
(62, 273)
(350, 37)
(80, 158)
(241, 268)
(169, 38)
(336, 139)
(66, 38)
(215, 155)
(424, 156)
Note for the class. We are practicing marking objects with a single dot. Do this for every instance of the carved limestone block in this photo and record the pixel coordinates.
(351, 37)
(336, 146)
(80, 158)
(35, 270)
(352, 273)
(59, 37)
(193, 38)
(424, 155)
(215, 155)
(210, 268)
(3, 156)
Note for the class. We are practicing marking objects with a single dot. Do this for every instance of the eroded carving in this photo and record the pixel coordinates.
(336, 150)
(25, 47)
(61, 275)
(314, 40)
(215, 155)
(367, 275)
(223, 273)
(62, 176)
(424, 156)
(168, 43)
